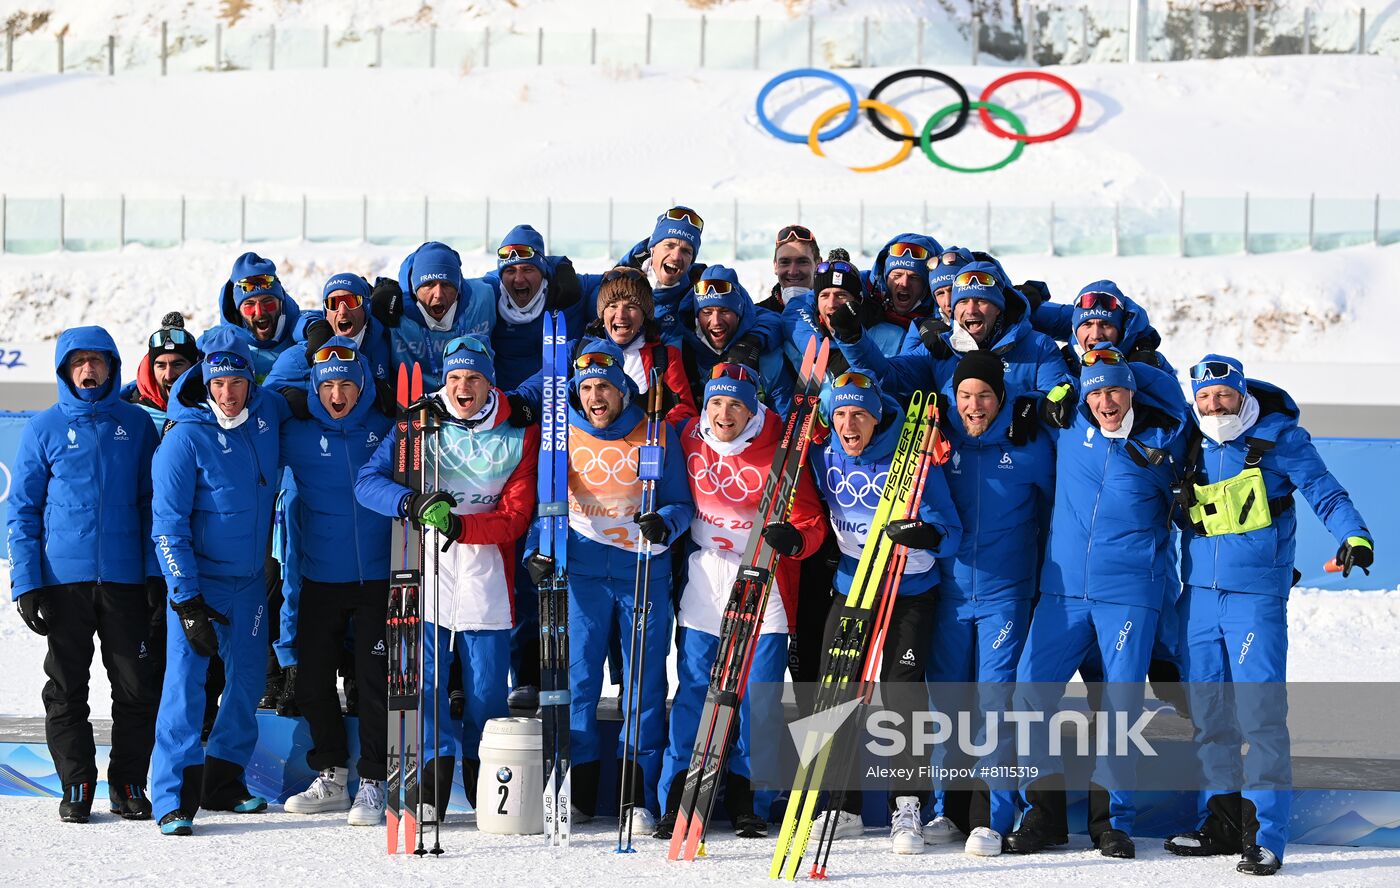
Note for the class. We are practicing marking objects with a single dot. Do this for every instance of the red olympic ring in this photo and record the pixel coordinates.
(995, 129)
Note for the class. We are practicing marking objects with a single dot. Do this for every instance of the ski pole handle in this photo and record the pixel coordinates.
(1332, 567)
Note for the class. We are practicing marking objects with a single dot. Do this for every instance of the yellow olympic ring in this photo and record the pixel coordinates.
(888, 110)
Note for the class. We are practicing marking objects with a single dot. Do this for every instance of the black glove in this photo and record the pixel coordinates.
(1057, 408)
(197, 619)
(845, 323)
(385, 399)
(1148, 356)
(318, 333)
(434, 510)
(287, 701)
(784, 538)
(744, 351)
(1025, 425)
(564, 289)
(386, 301)
(296, 401)
(836, 364)
(696, 270)
(31, 606)
(931, 332)
(522, 413)
(913, 533)
(1036, 293)
(653, 526)
(155, 600)
(540, 567)
(1355, 552)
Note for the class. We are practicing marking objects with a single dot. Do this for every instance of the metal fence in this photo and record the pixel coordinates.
(1036, 34)
(1190, 226)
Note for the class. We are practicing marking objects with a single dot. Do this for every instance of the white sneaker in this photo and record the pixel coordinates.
(326, 793)
(368, 809)
(907, 827)
(848, 825)
(940, 831)
(643, 822)
(983, 842)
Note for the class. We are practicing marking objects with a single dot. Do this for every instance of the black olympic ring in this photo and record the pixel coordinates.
(952, 84)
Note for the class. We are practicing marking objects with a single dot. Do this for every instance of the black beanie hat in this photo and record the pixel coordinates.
(985, 366)
(847, 279)
(163, 342)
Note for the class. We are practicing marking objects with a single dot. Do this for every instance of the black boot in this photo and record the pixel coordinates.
(738, 800)
(1220, 834)
(436, 784)
(224, 789)
(471, 771)
(1116, 843)
(666, 826)
(177, 823)
(129, 801)
(1258, 861)
(585, 788)
(76, 806)
(638, 784)
(272, 691)
(1044, 824)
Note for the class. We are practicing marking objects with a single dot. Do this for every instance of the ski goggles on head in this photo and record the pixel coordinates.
(622, 272)
(859, 380)
(1097, 299)
(253, 307)
(227, 359)
(1102, 355)
(1210, 370)
(515, 251)
(718, 287)
(678, 214)
(789, 233)
(950, 257)
(912, 250)
(593, 359)
(255, 282)
(732, 371)
(470, 343)
(333, 353)
(169, 338)
(975, 279)
(837, 265)
(337, 301)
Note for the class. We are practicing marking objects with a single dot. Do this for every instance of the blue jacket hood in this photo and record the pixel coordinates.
(190, 386)
(1155, 389)
(878, 273)
(228, 313)
(86, 339)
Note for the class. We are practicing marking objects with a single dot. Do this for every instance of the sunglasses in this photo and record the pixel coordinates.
(618, 274)
(333, 353)
(593, 359)
(794, 233)
(678, 214)
(1207, 370)
(337, 301)
(169, 338)
(913, 251)
(470, 343)
(251, 308)
(859, 380)
(951, 257)
(227, 359)
(1104, 356)
(721, 288)
(515, 251)
(838, 265)
(975, 279)
(1094, 298)
(256, 282)
(732, 371)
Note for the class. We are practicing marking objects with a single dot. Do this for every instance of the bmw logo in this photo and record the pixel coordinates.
(503, 775)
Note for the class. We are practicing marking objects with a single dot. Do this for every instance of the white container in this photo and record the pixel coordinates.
(510, 785)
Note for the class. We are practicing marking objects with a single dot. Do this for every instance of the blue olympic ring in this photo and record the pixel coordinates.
(801, 138)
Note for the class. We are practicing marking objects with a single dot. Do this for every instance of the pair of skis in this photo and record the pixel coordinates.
(855, 649)
(743, 616)
(651, 456)
(553, 495)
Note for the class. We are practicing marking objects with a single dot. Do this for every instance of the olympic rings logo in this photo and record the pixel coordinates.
(609, 464)
(854, 487)
(850, 109)
(472, 455)
(722, 478)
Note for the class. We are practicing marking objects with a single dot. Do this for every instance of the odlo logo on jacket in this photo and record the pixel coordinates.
(1123, 635)
(1244, 648)
(1003, 634)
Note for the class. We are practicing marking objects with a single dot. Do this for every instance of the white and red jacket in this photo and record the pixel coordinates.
(726, 482)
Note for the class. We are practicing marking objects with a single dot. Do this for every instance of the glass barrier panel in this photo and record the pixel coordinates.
(1020, 231)
(395, 221)
(458, 223)
(272, 220)
(1343, 223)
(782, 44)
(32, 224)
(835, 225)
(1083, 231)
(1336, 29)
(1214, 226)
(579, 229)
(675, 43)
(729, 43)
(621, 50)
(1149, 231)
(758, 227)
(245, 49)
(836, 43)
(153, 222)
(406, 49)
(215, 220)
(894, 44)
(1277, 224)
(1387, 228)
(91, 224)
(352, 49)
(567, 48)
(334, 220)
(300, 48)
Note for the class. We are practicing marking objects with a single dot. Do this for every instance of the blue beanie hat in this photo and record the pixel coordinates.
(338, 369)
(614, 373)
(994, 293)
(1102, 374)
(470, 353)
(894, 263)
(1114, 316)
(678, 228)
(745, 390)
(348, 281)
(251, 265)
(524, 235)
(734, 300)
(1233, 374)
(946, 266)
(850, 395)
(223, 340)
(435, 261)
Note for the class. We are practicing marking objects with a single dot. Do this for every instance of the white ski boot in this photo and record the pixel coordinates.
(327, 792)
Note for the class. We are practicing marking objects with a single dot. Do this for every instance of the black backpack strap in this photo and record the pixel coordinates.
(1257, 448)
(1071, 359)
(169, 424)
(661, 360)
